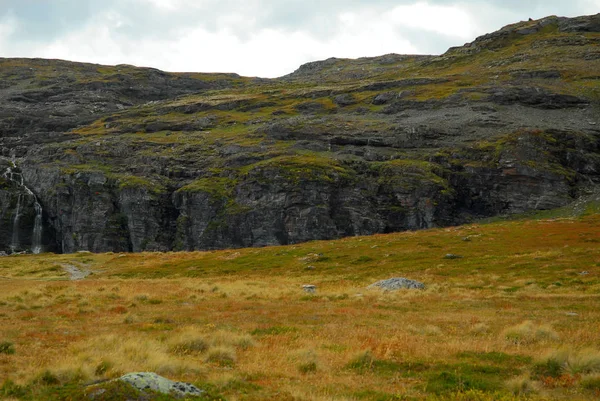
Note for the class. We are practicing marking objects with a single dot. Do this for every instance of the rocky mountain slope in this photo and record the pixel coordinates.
(129, 159)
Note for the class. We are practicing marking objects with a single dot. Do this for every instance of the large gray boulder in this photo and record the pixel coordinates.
(151, 381)
(397, 283)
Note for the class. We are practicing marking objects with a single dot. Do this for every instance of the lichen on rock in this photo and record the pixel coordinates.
(144, 381)
(398, 283)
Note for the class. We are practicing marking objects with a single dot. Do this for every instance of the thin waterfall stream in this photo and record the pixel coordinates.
(36, 238)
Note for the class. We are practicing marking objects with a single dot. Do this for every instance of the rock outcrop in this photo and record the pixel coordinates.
(127, 159)
(144, 381)
(398, 283)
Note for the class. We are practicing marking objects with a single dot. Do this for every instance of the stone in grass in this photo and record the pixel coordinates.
(397, 283)
(452, 256)
(151, 381)
(309, 288)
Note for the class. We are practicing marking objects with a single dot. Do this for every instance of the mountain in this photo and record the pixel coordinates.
(121, 158)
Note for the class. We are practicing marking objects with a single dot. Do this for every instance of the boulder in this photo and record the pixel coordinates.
(151, 381)
(309, 288)
(398, 283)
(452, 256)
(345, 99)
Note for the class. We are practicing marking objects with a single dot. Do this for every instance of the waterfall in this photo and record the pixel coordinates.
(36, 245)
(14, 244)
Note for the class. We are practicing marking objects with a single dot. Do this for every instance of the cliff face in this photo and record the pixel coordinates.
(128, 159)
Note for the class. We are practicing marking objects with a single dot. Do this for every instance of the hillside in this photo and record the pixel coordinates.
(122, 158)
(512, 315)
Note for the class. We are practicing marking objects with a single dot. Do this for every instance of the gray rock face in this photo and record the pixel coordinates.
(151, 381)
(397, 284)
(344, 100)
(124, 159)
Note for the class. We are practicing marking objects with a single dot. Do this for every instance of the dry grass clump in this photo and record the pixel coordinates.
(591, 382)
(7, 347)
(427, 330)
(569, 361)
(479, 329)
(193, 340)
(114, 355)
(191, 346)
(529, 333)
(222, 356)
(522, 386)
(228, 338)
(306, 360)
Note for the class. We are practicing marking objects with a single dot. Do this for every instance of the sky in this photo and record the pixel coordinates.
(266, 38)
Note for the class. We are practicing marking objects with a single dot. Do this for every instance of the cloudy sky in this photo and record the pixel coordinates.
(265, 38)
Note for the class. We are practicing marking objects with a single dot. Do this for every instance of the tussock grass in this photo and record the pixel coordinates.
(573, 362)
(7, 347)
(522, 386)
(427, 330)
(222, 356)
(479, 329)
(267, 340)
(528, 333)
(591, 382)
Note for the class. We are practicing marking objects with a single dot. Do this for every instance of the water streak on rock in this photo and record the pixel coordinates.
(17, 178)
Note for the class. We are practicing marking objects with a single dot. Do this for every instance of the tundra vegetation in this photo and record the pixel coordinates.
(515, 317)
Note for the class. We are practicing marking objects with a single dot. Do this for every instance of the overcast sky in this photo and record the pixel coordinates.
(266, 38)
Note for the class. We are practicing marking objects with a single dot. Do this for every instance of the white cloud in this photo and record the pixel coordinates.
(590, 7)
(445, 20)
(168, 5)
(7, 26)
(261, 38)
(267, 52)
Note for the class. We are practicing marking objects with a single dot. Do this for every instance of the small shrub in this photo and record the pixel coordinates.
(192, 346)
(47, 379)
(548, 368)
(564, 380)
(495, 357)
(228, 338)
(6, 347)
(307, 360)
(244, 342)
(361, 362)
(449, 382)
(273, 331)
(521, 386)
(591, 383)
(223, 356)
(308, 367)
(102, 368)
(428, 330)
(529, 333)
(479, 328)
(119, 310)
(568, 361)
(477, 395)
(11, 389)
(112, 390)
(583, 362)
(129, 319)
(365, 361)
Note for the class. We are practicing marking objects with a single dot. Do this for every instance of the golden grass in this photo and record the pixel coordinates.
(240, 321)
(529, 333)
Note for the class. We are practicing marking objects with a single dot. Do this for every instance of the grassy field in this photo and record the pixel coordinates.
(514, 317)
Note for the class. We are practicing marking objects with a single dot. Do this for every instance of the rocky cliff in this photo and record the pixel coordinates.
(129, 159)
